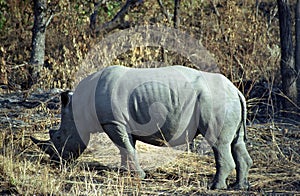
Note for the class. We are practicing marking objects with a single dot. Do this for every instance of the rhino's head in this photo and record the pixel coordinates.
(65, 143)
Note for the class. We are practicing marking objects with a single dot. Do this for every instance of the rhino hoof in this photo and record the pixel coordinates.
(138, 175)
(240, 186)
(217, 185)
(141, 174)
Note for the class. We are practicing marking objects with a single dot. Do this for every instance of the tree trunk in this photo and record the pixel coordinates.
(287, 63)
(3, 72)
(176, 14)
(38, 39)
(297, 47)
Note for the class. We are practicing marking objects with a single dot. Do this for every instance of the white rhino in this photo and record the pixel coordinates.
(158, 106)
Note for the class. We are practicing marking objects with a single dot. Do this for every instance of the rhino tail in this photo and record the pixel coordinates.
(243, 114)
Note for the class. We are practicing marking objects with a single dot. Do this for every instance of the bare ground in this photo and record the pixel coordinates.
(24, 169)
(245, 42)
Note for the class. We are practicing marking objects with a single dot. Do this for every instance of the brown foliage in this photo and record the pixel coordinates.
(243, 39)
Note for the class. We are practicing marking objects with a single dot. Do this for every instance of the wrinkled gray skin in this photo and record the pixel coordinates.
(122, 102)
(65, 144)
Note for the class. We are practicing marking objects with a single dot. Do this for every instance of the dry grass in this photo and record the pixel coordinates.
(245, 43)
(275, 149)
(25, 170)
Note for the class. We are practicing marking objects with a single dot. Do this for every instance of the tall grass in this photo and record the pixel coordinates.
(245, 42)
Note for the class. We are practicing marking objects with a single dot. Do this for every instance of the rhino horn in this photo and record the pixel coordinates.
(46, 146)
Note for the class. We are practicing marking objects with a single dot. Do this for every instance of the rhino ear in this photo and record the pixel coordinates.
(66, 98)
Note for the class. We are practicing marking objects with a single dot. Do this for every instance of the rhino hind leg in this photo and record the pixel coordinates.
(243, 163)
(224, 165)
(126, 146)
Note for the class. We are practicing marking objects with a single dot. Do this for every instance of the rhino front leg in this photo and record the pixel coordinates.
(124, 156)
(243, 163)
(129, 160)
(224, 165)
(126, 145)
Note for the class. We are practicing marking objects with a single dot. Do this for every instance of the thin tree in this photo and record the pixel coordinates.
(38, 39)
(297, 47)
(287, 63)
(119, 20)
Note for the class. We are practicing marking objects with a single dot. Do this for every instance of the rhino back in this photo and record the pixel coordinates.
(161, 104)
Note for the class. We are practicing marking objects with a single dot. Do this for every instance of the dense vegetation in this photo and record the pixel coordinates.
(242, 36)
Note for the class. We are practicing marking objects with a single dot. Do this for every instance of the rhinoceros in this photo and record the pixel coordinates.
(159, 106)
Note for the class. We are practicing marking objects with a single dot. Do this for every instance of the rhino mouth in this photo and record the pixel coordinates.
(56, 155)
(48, 147)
